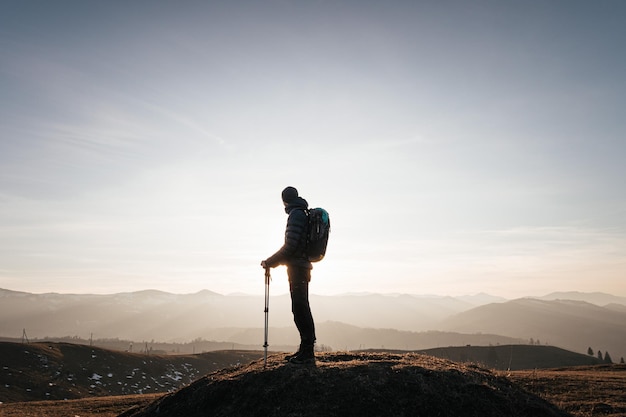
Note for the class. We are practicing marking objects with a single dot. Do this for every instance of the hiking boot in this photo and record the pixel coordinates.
(306, 356)
(293, 355)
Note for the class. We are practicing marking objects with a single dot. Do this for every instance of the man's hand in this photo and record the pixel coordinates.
(264, 264)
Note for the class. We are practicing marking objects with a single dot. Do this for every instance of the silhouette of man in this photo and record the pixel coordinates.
(293, 255)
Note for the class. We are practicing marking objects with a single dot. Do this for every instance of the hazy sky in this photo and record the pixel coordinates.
(459, 146)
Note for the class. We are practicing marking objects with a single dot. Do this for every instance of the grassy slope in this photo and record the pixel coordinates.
(514, 357)
(57, 371)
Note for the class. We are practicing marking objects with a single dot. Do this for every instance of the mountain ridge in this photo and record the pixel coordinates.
(576, 325)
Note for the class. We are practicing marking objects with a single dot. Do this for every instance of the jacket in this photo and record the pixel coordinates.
(293, 251)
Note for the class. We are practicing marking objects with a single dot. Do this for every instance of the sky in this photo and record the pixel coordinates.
(460, 147)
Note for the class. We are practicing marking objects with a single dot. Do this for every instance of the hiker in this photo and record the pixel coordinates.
(293, 255)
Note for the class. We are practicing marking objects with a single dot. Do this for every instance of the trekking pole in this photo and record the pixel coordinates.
(267, 310)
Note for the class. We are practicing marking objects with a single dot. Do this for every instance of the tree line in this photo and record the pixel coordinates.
(606, 358)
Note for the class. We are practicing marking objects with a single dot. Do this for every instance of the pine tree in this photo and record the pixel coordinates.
(621, 360)
(607, 358)
(600, 354)
(590, 351)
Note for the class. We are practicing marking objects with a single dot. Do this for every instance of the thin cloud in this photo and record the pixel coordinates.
(184, 121)
(384, 144)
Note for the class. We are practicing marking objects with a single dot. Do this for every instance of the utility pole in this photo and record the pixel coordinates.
(24, 337)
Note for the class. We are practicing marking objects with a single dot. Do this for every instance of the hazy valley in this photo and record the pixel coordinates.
(170, 322)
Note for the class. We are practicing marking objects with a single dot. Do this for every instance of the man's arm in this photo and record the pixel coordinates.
(297, 224)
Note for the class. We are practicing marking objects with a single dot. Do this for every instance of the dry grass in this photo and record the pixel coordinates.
(86, 407)
(581, 391)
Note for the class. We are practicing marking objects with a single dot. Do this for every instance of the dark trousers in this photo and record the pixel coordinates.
(299, 288)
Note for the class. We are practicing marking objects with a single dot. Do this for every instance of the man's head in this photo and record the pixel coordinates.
(289, 195)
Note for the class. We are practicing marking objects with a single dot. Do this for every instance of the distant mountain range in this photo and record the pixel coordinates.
(597, 298)
(151, 314)
(571, 320)
(576, 325)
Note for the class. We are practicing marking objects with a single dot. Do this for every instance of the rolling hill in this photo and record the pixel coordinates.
(514, 357)
(351, 385)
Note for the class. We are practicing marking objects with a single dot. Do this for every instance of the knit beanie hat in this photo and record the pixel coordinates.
(289, 194)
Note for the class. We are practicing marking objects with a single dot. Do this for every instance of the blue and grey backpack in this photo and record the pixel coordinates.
(317, 236)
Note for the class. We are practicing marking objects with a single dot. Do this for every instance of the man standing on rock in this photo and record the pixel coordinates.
(293, 255)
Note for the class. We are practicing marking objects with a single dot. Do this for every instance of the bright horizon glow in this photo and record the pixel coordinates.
(459, 148)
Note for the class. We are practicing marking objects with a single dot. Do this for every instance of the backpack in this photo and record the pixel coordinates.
(317, 235)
